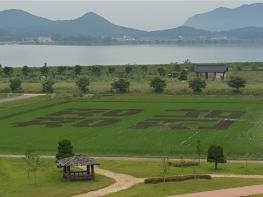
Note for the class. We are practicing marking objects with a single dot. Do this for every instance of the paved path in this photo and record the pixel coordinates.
(136, 159)
(122, 182)
(231, 192)
(16, 98)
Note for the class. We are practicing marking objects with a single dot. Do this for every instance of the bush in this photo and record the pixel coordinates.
(237, 83)
(15, 85)
(183, 163)
(47, 86)
(65, 149)
(197, 85)
(158, 84)
(155, 180)
(183, 75)
(83, 83)
(121, 86)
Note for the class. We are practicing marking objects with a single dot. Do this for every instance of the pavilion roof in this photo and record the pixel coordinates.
(220, 68)
(77, 160)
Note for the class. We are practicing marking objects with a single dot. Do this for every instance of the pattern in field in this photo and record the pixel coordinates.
(192, 118)
(81, 117)
(173, 118)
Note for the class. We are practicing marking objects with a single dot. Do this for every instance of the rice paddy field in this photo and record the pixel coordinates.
(135, 125)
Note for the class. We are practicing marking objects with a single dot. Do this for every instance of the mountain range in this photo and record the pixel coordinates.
(239, 23)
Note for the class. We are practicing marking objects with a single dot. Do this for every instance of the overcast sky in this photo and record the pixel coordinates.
(147, 15)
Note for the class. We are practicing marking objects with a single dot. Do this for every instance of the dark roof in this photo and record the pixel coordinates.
(220, 68)
(77, 161)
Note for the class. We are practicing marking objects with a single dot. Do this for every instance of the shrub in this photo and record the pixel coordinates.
(77, 69)
(158, 84)
(83, 83)
(121, 85)
(183, 75)
(155, 180)
(161, 71)
(237, 83)
(65, 149)
(183, 163)
(15, 85)
(47, 85)
(197, 85)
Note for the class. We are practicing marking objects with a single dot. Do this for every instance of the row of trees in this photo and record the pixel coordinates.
(122, 85)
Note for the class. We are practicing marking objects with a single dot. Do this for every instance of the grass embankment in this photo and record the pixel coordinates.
(153, 169)
(14, 180)
(143, 169)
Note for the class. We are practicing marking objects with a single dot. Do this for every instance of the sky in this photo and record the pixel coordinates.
(145, 15)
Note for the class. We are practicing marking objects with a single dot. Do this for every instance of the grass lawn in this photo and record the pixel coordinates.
(15, 182)
(143, 169)
(121, 137)
(191, 186)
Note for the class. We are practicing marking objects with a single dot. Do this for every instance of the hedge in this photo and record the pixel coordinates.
(155, 180)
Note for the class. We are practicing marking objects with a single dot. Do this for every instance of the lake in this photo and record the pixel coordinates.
(36, 55)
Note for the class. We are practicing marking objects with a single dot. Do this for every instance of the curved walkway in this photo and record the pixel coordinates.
(122, 182)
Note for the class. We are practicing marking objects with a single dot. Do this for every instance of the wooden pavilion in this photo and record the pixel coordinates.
(219, 70)
(69, 162)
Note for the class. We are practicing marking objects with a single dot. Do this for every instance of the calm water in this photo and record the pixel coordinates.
(33, 55)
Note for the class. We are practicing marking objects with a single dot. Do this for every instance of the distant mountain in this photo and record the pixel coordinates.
(23, 24)
(179, 33)
(239, 23)
(223, 19)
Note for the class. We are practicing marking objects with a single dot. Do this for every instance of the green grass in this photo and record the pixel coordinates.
(142, 169)
(121, 138)
(15, 182)
(160, 190)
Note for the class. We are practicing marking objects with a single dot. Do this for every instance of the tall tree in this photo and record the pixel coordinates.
(77, 69)
(215, 154)
(161, 71)
(47, 86)
(44, 70)
(32, 162)
(8, 71)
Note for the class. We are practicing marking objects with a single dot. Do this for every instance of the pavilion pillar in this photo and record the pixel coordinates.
(197, 75)
(223, 78)
(206, 75)
(215, 76)
(92, 171)
(88, 169)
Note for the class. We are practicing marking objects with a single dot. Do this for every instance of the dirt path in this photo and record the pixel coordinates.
(122, 182)
(16, 98)
(231, 192)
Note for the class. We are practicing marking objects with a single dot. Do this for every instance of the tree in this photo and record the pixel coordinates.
(121, 85)
(215, 154)
(83, 83)
(177, 68)
(47, 85)
(32, 162)
(44, 70)
(77, 69)
(197, 85)
(158, 84)
(144, 69)
(164, 168)
(198, 150)
(96, 70)
(161, 71)
(183, 75)
(111, 70)
(65, 149)
(25, 70)
(128, 69)
(8, 71)
(237, 83)
(15, 85)
(61, 70)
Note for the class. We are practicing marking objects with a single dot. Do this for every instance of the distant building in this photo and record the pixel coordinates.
(219, 70)
(44, 39)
